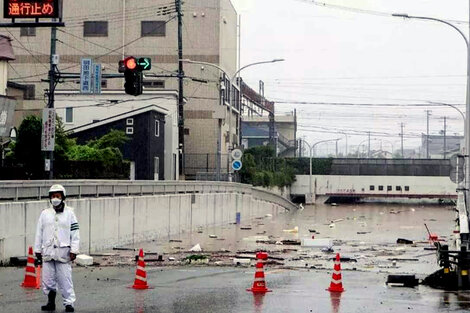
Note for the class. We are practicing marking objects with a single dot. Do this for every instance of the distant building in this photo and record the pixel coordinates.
(453, 145)
(260, 126)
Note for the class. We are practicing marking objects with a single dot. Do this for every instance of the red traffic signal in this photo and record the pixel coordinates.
(128, 64)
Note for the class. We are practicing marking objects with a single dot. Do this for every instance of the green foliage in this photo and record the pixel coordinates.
(27, 150)
(113, 139)
(262, 168)
(104, 153)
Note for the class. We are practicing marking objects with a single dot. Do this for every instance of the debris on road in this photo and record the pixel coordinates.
(293, 230)
(317, 243)
(402, 281)
(241, 261)
(245, 228)
(84, 260)
(196, 248)
(212, 236)
(404, 241)
(175, 240)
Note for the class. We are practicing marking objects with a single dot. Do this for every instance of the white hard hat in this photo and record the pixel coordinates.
(57, 188)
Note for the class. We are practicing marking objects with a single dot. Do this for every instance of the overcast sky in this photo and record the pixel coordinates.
(353, 52)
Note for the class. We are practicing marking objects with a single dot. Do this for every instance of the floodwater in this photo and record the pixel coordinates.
(367, 233)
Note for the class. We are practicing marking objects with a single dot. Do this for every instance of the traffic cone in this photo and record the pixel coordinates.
(259, 285)
(336, 283)
(140, 281)
(30, 280)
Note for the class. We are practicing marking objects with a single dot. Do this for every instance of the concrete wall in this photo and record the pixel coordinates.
(108, 222)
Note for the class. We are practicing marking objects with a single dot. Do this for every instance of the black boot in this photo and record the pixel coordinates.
(50, 306)
(69, 308)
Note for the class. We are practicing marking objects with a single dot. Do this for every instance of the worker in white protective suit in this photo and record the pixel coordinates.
(56, 244)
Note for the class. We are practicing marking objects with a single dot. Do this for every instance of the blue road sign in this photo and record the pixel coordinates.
(85, 76)
(237, 165)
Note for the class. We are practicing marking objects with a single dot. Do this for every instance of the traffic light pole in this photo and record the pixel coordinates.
(180, 85)
(52, 83)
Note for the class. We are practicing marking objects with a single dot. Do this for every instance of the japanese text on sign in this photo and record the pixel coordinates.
(32, 9)
(85, 76)
(48, 130)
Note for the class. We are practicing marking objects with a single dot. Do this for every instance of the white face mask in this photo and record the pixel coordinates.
(56, 201)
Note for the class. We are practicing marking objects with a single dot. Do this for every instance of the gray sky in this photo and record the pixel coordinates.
(358, 56)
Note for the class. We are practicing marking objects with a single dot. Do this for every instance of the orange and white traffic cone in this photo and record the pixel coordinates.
(30, 280)
(336, 280)
(140, 281)
(259, 285)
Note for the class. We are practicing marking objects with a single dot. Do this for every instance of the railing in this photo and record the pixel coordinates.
(38, 189)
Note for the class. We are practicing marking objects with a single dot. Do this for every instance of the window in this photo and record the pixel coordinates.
(371, 187)
(69, 115)
(104, 83)
(129, 130)
(407, 188)
(28, 31)
(95, 29)
(398, 188)
(154, 84)
(389, 188)
(157, 128)
(381, 188)
(130, 121)
(153, 29)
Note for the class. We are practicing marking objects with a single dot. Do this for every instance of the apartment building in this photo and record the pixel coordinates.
(109, 30)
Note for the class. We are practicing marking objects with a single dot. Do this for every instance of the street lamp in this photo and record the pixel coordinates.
(467, 98)
(219, 152)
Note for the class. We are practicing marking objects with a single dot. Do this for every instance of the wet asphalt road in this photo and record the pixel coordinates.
(209, 289)
(223, 289)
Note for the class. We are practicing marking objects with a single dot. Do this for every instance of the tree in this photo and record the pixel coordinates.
(27, 150)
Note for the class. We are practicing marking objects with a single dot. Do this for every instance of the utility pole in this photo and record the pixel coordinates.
(368, 148)
(401, 135)
(180, 85)
(445, 129)
(52, 80)
(428, 112)
(336, 155)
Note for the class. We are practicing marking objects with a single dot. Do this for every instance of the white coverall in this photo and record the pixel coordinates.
(57, 235)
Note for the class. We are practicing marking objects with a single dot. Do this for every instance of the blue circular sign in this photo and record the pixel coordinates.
(237, 165)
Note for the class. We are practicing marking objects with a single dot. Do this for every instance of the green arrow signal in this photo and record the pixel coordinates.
(145, 63)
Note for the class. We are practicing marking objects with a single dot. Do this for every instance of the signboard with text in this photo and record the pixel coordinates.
(48, 130)
(7, 110)
(85, 76)
(31, 9)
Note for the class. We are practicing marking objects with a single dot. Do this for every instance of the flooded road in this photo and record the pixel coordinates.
(366, 233)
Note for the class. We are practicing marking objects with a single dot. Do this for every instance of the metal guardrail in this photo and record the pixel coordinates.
(38, 189)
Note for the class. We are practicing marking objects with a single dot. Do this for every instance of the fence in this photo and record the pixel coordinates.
(194, 163)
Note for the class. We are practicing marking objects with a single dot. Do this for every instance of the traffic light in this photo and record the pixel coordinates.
(133, 76)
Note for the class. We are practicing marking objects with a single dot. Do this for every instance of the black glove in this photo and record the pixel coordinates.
(73, 256)
(38, 258)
